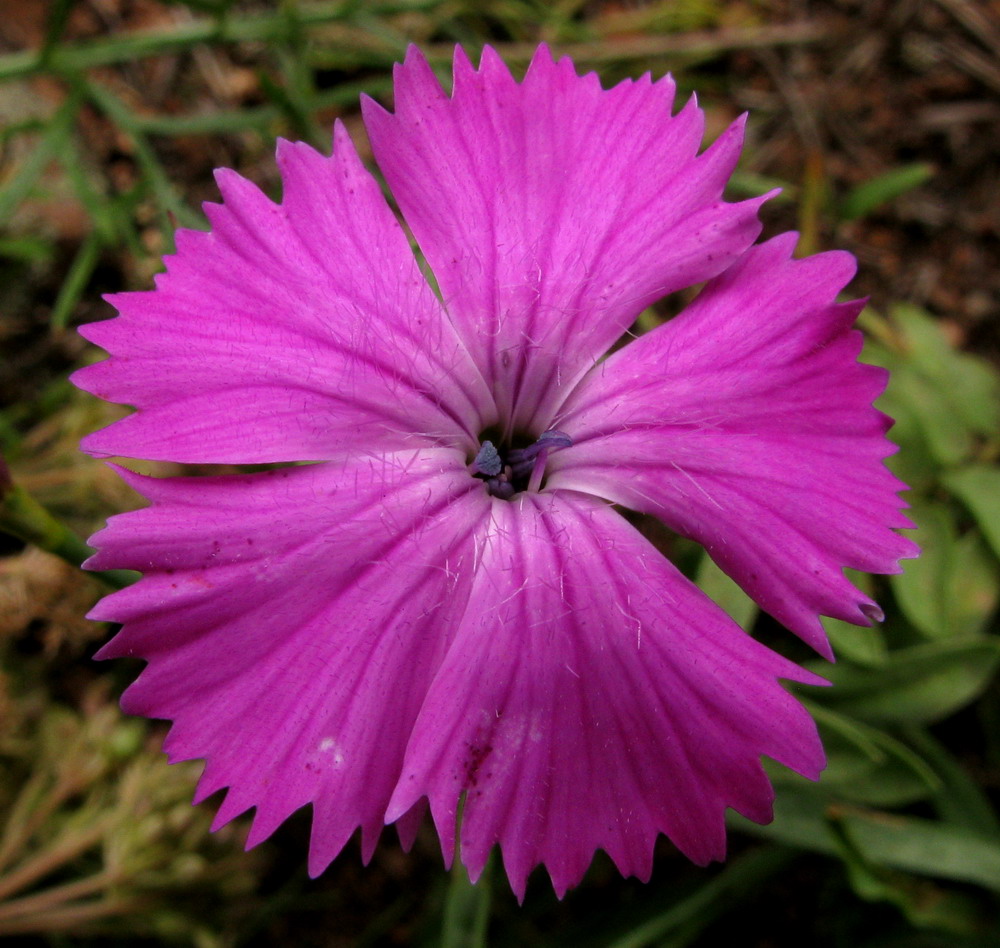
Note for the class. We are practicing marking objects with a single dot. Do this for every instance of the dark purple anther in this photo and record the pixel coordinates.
(487, 461)
(519, 469)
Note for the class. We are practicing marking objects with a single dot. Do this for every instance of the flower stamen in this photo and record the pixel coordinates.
(519, 468)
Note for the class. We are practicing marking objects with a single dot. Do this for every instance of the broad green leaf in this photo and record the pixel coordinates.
(921, 588)
(861, 644)
(968, 384)
(925, 847)
(973, 585)
(915, 463)
(952, 589)
(943, 400)
(921, 684)
(886, 187)
(948, 440)
(725, 592)
(978, 487)
(924, 903)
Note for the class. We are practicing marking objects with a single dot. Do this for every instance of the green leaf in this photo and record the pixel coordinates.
(467, 908)
(745, 184)
(952, 589)
(886, 187)
(925, 418)
(801, 818)
(861, 644)
(924, 903)
(943, 400)
(19, 185)
(866, 765)
(30, 249)
(959, 799)
(973, 585)
(806, 818)
(146, 158)
(925, 847)
(921, 684)
(978, 487)
(77, 277)
(725, 592)
(266, 27)
(968, 384)
(915, 464)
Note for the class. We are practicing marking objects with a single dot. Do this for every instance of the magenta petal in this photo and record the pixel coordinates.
(553, 212)
(289, 332)
(747, 424)
(292, 622)
(594, 698)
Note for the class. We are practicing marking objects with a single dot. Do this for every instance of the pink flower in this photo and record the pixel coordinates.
(448, 604)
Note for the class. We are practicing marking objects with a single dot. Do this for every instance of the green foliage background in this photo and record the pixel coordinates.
(898, 845)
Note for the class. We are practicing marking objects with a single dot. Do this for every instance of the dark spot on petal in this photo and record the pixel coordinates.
(474, 760)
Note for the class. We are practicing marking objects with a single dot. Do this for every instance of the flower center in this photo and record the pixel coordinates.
(510, 470)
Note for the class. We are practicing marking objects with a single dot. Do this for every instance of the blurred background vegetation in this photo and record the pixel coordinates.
(878, 119)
